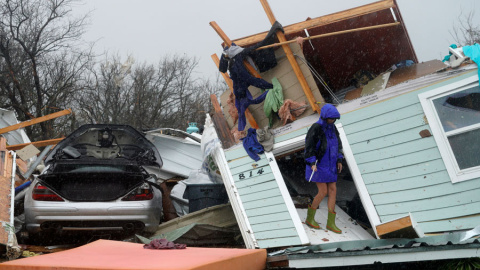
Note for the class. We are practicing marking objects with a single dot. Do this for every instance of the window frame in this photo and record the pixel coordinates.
(440, 136)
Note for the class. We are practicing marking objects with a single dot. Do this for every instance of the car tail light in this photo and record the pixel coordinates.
(42, 193)
(143, 193)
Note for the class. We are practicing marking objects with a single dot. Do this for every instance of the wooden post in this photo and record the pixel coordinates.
(35, 121)
(6, 162)
(223, 131)
(331, 34)
(291, 58)
(248, 114)
(249, 67)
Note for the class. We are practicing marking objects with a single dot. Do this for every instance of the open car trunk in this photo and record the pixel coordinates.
(93, 183)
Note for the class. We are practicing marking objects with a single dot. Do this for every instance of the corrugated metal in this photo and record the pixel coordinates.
(455, 245)
(404, 172)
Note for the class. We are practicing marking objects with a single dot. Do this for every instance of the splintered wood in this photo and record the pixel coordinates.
(5, 189)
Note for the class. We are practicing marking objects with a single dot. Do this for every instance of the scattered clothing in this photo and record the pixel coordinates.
(251, 144)
(241, 78)
(323, 147)
(266, 138)
(291, 109)
(163, 244)
(273, 101)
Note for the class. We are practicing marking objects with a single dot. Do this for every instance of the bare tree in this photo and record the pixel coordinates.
(41, 65)
(466, 32)
(147, 96)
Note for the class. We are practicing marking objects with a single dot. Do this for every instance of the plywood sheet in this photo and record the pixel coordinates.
(415, 71)
(290, 84)
(375, 85)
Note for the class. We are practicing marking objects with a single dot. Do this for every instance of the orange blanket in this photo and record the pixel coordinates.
(108, 254)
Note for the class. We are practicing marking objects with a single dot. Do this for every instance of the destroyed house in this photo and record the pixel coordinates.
(408, 131)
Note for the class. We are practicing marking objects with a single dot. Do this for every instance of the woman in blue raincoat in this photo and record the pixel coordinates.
(323, 158)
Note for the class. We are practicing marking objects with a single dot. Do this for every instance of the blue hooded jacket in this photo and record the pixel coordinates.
(322, 144)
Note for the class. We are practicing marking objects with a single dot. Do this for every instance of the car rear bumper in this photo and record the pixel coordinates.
(93, 216)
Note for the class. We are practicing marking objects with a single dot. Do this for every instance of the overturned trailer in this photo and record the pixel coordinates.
(403, 149)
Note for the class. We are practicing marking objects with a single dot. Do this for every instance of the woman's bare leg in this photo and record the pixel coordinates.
(322, 192)
(332, 196)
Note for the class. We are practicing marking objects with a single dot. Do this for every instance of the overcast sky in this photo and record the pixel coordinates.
(151, 29)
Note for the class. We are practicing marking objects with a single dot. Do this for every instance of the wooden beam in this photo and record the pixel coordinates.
(248, 114)
(224, 37)
(291, 58)
(404, 227)
(320, 21)
(228, 42)
(221, 126)
(332, 34)
(36, 144)
(35, 121)
(6, 192)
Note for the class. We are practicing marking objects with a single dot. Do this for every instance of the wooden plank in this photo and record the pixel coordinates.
(260, 195)
(290, 232)
(36, 144)
(396, 150)
(248, 166)
(269, 217)
(405, 172)
(247, 161)
(35, 121)
(456, 211)
(261, 211)
(291, 135)
(463, 223)
(272, 226)
(332, 34)
(223, 132)
(392, 139)
(426, 192)
(236, 153)
(393, 128)
(414, 182)
(410, 159)
(367, 113)
(250, 189)
(398, 114)
(279, 242)
(6, 162)
(254, 181)
(281, 37)
(320, 21)
(442, 202)
(273, 200)
(394, 225)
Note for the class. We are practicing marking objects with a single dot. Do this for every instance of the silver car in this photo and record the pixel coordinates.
(99, 178)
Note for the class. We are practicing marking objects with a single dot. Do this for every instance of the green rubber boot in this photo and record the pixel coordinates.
(310, 221)
(331, 223)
